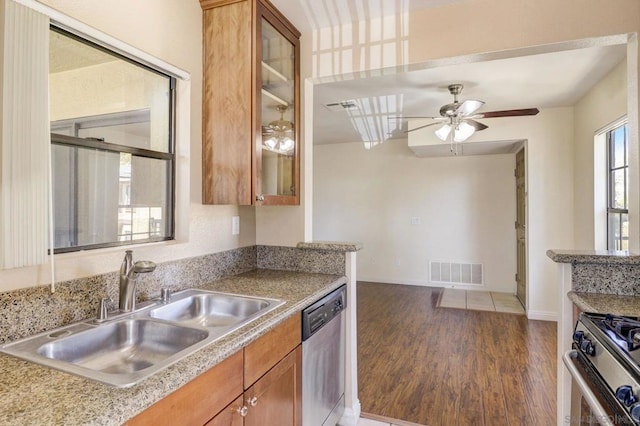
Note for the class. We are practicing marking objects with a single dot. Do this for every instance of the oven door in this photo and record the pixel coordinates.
(592, 402)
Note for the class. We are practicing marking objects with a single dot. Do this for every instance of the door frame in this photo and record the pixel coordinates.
(525, 230)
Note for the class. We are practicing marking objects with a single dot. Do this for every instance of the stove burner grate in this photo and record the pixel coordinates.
(625, 328)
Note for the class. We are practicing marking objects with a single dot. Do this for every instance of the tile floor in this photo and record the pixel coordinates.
(480, 301)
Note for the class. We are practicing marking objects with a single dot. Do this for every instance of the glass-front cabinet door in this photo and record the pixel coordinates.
(277, 141)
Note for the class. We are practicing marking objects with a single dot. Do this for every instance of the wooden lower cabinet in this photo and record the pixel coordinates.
(200, 399)
(276, 399)
(230, 416)
(223, 396)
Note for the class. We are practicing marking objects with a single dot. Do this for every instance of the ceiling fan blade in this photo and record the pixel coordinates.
(468, 107)
(507, 113)
(422, 127)
(476, 124)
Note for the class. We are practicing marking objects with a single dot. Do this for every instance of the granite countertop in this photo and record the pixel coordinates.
(593, 256)
(606, 303)
(31, 394)
(330, 246)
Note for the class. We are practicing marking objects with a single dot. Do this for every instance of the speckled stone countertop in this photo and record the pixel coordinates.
(330, 246)
(593, 256)
(35, 395)
(606, 303)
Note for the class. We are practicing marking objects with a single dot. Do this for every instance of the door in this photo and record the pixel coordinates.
(521, 226)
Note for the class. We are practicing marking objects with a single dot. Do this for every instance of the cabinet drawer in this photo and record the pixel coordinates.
(230, 415)
(199, 400)
(269, 349)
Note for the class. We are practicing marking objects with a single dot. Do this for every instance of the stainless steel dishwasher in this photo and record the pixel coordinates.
(323, 360)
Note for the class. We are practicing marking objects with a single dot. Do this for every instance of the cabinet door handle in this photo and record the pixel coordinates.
(260, 197)
(243, 410)
(253, 401)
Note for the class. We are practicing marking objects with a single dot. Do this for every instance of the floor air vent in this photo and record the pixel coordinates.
(456, 273)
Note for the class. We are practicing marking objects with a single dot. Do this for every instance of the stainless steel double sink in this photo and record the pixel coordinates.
(128, 348)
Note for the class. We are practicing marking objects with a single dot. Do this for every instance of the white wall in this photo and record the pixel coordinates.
(466, 207)
(172, 31)
(372, 195)
(550, 192)
(603, 104)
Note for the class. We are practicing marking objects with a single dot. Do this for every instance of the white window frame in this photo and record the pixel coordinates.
(601, 182)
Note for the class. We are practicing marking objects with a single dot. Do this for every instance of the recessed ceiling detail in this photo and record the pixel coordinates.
(341, 106)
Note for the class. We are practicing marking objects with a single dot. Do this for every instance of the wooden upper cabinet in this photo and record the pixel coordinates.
(251, 105)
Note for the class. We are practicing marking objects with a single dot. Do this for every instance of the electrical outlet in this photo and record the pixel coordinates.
(416, 220)
(235, 225)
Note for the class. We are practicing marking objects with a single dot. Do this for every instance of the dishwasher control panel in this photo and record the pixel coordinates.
(324, 310)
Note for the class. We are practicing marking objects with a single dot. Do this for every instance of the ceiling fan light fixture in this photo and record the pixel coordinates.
(443, 132)
(463, 131)
(271, 143)
(468, 107)
(278, 132)
(286, 144)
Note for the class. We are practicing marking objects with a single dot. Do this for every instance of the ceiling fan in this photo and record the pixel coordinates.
(278, 134)
(458, 119)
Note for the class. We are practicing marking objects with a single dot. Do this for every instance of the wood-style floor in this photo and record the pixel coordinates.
(438, 366)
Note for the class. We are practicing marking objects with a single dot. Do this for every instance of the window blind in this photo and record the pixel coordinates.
(25, 139)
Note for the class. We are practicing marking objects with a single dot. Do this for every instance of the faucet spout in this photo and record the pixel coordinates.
(129, 281)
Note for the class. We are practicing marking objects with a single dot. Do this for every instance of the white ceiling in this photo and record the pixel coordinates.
(546, 80)
(308, 15)
(543, 80)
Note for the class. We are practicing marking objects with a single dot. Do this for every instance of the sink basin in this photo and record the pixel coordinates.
(119, 353)
(212, 309)
(123, 347)
(129, 347)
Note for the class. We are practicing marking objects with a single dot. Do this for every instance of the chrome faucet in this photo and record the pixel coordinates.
(129, 272)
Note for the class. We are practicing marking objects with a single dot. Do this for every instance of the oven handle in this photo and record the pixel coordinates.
(600, 413)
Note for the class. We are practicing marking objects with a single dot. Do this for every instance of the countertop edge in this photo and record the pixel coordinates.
(606, 303)
(330, 246)
(593, 256)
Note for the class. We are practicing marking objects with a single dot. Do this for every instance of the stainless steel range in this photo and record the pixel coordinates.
(605, 366)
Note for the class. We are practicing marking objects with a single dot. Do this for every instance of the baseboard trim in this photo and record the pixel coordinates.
(477, 287)
(394, 422)
(542, 316)
(532, 315)
(351, 415)
(395, 281)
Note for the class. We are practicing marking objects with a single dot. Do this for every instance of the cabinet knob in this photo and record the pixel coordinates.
(260, 197)
(253, 401)
(243, 411)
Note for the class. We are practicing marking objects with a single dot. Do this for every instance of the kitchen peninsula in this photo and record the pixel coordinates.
(603, 282)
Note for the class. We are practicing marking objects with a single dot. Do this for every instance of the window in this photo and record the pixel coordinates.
(112, 147)
(617, 189)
